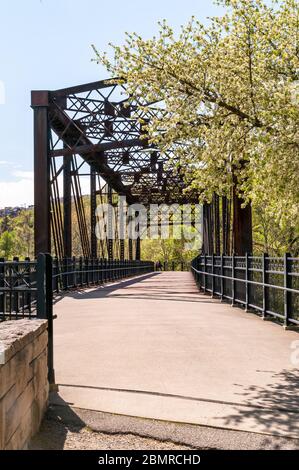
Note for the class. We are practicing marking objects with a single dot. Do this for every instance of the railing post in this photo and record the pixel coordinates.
(111, 270)
(96, 264)
(56, 273)
(115, 270)
(81, 269)
(104, 264)
(74, 265)
(86, 270)
(199, 268)
(40, 285)
(247, 286)
(205, 275)
(233, 280)
(265, 289)
(92, 270)
(119, 265)
(213, 277)
(64, 271)
(101, 271)
(194, 273)
(49, 313)
(45, 305)
(287, 294)
(221, 278)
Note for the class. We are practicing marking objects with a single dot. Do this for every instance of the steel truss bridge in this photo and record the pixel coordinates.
(91, 139)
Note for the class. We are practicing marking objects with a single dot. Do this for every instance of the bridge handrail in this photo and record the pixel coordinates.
(20, 281)
(265, 284)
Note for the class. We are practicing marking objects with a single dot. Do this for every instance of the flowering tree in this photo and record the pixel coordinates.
(229, 96)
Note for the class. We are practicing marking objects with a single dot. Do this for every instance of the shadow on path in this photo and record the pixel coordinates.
(103, 290)
(276, 404)
(144, 288)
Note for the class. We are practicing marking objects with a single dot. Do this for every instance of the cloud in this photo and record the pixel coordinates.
(16, 193)
(20, 192)
(26, 175)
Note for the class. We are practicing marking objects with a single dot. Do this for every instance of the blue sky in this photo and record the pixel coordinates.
(45, 44)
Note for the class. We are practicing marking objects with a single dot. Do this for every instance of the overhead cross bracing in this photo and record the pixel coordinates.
(95, 131)
(98, 123)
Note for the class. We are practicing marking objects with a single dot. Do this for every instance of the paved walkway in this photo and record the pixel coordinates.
(154, 347)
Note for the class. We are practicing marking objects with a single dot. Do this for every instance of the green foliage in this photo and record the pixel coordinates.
(172, 249)
(17, 235)
(230, 95)
(7, 244)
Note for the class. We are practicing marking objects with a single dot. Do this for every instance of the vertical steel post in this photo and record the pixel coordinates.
(49, 310)
(67, 207)
(93, 207)
(42, 220)
(45, 305)
(233, 279)
(221, 278)
(138, 249)
(122, 249)
(130, 249)
(213, 277)
(247, 278)
(242, 226)
(225, 234)
(216, 224)
(110, 224)
(205, 275)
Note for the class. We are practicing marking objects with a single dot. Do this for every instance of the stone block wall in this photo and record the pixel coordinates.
(24, 385)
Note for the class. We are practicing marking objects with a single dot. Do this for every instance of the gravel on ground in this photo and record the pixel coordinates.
(70, 428)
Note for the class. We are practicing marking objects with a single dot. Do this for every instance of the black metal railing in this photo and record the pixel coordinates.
(73, 273)
(18, 289)
(265, 284)
(21, 282)
(176, 265)
(28, 288)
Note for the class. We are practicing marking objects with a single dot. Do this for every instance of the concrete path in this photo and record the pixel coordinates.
(154, 347)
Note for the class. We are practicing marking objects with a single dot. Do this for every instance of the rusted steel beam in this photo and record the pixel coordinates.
(93, 206)
(42, 220)
(101, 84)
(138, 249)
(67, 207)
(91, 148)
(130, 249)
(242, 227)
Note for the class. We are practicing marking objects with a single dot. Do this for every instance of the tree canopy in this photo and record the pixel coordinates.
(228, 92)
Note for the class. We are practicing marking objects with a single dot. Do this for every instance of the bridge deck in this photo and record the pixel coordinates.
(155, 347)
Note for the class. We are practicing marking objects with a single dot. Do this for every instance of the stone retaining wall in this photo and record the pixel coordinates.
(23, 381)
